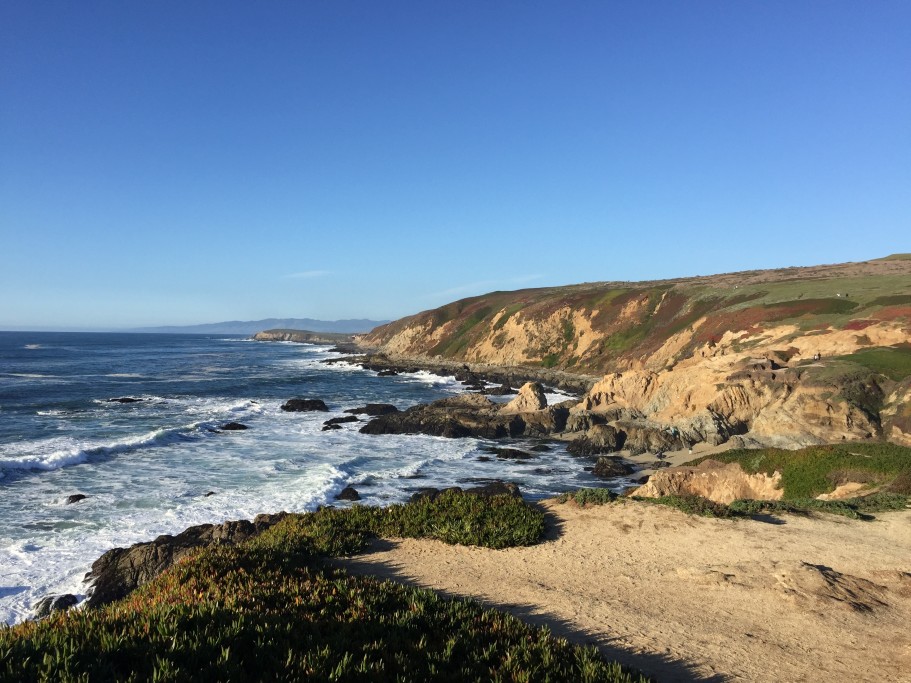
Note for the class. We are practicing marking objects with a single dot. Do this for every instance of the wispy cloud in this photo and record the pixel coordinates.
(308, 274)
(484, 286)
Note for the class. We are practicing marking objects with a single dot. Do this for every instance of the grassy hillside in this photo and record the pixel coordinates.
(601, 327)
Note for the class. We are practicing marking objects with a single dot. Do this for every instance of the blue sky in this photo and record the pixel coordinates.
(185, 162)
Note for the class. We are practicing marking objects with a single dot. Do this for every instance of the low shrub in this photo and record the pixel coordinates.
(588, 496)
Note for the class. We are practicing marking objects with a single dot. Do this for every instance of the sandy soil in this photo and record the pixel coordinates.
(683, 598)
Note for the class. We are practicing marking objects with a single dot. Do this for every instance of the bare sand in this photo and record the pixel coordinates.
(794, 598)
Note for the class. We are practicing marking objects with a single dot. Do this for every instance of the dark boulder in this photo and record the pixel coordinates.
(300, 405)
(348, 493)
(374, 409)
(329, 428)
(541, 448)
(121, 570)
(75, 498)
(509, 453)
(340, 420)
(209, 493)
(234, 427)
(607, 467)
(126, 399)
(54, 603)
(502, 390)
(493, 488)
(387, 373)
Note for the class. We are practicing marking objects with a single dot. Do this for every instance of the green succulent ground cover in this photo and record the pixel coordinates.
(854, 508)
(270, 610)
(811, 471)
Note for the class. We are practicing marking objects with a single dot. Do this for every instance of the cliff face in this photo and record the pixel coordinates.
(790, 357)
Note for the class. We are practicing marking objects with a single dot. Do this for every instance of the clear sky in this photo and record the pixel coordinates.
(176, 162)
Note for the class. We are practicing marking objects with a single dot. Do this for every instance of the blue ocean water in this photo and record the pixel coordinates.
(160, 464)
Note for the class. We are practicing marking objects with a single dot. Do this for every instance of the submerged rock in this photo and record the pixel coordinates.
(300, 405)
(340, 420)
(75, 498)
(234, 427)
(126, 399)
(348, 493)
(509, 453)
(373, 409)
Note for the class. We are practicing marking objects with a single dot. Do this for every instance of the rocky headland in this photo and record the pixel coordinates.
(785, 358)
(304, 337)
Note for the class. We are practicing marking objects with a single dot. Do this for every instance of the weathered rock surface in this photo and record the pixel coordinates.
(468, 415)
(300, 405)
(713, 480)
(609, 467)
(121, 570)
(529, 399)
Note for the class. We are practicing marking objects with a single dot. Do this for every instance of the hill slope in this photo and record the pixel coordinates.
(254, 326)
(720, 355)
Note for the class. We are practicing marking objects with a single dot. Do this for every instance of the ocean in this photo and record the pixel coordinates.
(161, 464)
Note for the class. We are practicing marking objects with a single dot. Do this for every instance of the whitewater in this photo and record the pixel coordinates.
(161, 463)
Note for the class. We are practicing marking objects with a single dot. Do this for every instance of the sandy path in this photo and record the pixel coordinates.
(688, 598)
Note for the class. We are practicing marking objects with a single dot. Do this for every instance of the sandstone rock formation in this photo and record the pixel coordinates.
(529, 399)
(713, 480)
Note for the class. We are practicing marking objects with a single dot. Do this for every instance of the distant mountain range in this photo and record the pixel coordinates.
(254, 326)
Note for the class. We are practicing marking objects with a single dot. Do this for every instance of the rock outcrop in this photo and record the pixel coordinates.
(121, 570)
(722, 483)
(786, 358)
(304, 337)
(302, 405)
(529, 399)
(469, 415)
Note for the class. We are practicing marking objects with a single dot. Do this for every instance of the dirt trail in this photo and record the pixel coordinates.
(683, 598)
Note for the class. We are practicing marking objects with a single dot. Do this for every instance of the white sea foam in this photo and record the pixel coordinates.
(52, 454)
(32, 346)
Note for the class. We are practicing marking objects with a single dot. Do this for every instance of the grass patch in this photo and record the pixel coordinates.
(893, 362)
(853, 508)
(811, 471)
(551, 360)
(269, 610)
(510, 311)
(691, 505)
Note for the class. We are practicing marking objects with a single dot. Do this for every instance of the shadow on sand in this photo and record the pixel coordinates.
(661, 668)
